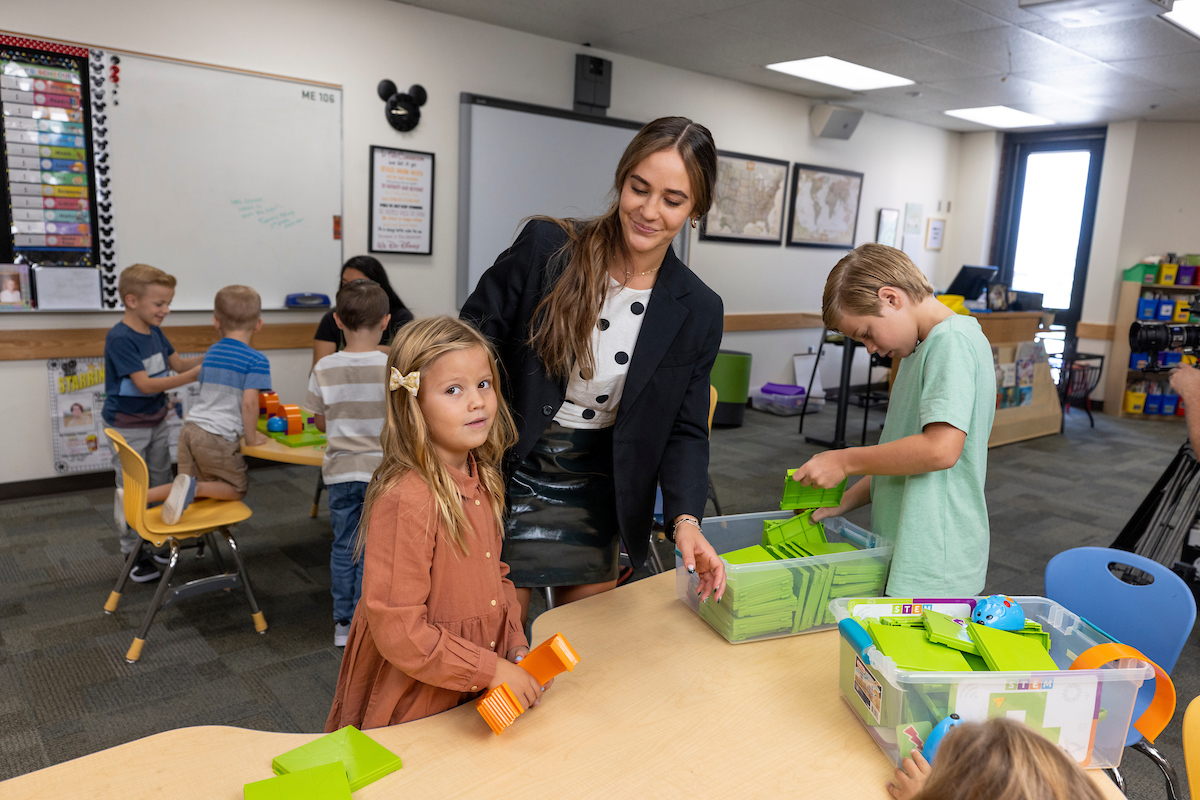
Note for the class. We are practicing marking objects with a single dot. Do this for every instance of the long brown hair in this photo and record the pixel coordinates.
(1003, 759)
(406, 442)
(564, 318)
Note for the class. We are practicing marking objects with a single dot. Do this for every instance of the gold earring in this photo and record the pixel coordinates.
(695, 221)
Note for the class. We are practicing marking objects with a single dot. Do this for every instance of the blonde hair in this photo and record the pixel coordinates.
(565, 317)
(853, 285)
(237, 308)
(135, 279)
(406, 441)
(1003, 759)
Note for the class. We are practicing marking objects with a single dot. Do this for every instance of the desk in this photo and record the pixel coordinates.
(274, 451)
(660, 706)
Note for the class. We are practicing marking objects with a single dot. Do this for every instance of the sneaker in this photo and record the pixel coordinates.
(341, 632)
(119, 511)
(183, 492)
(144, 571)
(163, 557)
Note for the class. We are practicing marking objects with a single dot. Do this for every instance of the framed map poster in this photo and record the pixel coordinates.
(401, 202)
(748, 200)
(824, 207)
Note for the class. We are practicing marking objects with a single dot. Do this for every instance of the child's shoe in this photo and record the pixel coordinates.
(341, 632)
(183, 492)
(144, 570)
(119, 510)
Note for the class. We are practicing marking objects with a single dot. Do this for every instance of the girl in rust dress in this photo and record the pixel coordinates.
(438, 622)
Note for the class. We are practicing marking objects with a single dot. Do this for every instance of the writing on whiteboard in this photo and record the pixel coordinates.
(324, 97)
(273, 216)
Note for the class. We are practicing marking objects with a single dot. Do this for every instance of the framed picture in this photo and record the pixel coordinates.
(935, 231)
(889, 225)
(997, 297)
(824, 207)
(15, 291)
(748, 200)
(401, 202)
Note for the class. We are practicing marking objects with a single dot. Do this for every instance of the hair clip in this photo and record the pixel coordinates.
(411, 381)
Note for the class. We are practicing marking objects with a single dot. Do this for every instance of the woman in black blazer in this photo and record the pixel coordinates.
(607, 341)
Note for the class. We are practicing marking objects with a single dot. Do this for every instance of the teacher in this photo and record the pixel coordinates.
(329, 339)
(607, 341)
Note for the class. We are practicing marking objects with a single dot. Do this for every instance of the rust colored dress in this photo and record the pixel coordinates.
(431, 621)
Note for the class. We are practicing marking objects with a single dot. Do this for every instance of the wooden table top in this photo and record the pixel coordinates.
(274, 451)
(659, 706)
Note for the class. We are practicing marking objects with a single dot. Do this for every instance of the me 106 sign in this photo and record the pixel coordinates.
(401, 201)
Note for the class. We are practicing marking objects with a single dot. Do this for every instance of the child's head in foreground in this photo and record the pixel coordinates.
(147, 292)
(361, 305)
(872, 295)
(1000, 759)
(237, 308)
(443, 404)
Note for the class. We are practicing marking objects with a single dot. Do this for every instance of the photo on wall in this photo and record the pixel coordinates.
(824, 207)
(748, 200)
(889, 225)
(15, 292)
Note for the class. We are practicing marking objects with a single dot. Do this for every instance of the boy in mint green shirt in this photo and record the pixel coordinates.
(925, 477)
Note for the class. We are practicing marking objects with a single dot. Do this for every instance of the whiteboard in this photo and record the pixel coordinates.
(221, 177)
(517, 160)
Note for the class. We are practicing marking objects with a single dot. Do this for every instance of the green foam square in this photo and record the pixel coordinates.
(796, 496)
(363, 758)
(1010, 652)
(754, 554)
(911, 649)
(800, 528)
(943, 629)
(324, 782)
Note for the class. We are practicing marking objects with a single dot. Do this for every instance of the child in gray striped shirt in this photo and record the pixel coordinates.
(347, 393)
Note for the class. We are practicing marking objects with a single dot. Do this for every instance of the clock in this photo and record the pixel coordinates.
(403, 109)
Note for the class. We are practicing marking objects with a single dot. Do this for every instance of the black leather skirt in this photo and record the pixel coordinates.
(562, 523)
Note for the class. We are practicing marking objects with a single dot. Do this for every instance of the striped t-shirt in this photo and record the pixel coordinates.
(350, 390)
(230, 368)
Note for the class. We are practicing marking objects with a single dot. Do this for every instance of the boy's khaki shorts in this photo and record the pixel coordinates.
(209, 457)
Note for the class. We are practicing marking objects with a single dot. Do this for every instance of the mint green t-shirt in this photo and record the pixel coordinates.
(939, 520)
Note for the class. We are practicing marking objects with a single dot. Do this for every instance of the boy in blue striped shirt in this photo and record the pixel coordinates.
(210, 460)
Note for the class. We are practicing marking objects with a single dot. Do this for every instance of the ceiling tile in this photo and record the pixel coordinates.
(1009, 49)
(1091, 80)
(999, 91)
(810, 30)
(1141, 102)
(912, 19)
(1184, 108)
(698, 35)
(1136, 38)
(916, 62)
(1004, 9)
(1179, 71)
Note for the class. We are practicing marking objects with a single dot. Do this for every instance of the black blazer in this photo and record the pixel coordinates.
(661, 429)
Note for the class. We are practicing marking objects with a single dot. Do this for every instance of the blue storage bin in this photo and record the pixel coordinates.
(1169, 401)
(1153, 404)
(1139, 360)
(1166, 310)
(1147, 308)
(1170, 358)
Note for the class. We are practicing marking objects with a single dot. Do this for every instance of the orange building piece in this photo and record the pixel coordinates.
(499, 706)
(268, 403)
(294, 417)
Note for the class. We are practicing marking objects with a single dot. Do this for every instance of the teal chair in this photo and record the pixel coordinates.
(1156, 617)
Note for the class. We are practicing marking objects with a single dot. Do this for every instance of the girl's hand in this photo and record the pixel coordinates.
(523, 685)
(910, 777)
(517, 653)
(700, 558)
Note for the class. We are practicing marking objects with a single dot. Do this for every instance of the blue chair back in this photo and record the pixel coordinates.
(1156, 618)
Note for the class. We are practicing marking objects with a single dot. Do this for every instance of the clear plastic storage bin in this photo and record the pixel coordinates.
(1086, 712)
(783, 598)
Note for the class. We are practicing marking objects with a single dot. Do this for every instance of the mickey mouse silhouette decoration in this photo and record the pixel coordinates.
(403, 109)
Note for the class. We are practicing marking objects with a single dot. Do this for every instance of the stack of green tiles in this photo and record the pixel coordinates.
(324, 782)
(363, 759)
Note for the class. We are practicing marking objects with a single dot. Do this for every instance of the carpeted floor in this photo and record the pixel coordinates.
(65, 689)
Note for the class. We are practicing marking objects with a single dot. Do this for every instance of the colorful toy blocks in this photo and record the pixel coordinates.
(499, 707)
(294, 417)
(268, 404)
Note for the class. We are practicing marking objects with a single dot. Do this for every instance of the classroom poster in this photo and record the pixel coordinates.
(401, 201)
(76, 402)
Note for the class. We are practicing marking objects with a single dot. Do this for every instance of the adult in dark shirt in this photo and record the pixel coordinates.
(329, 339)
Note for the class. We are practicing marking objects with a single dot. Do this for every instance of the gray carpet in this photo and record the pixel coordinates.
(65, 689)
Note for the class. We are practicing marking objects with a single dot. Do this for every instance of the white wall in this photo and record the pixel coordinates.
(359, 42)
(969, 226)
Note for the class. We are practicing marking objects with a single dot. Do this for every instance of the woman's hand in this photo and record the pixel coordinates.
(700, 558)
(523, 685)
(910, 777)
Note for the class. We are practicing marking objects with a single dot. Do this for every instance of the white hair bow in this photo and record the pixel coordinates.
(411, 381)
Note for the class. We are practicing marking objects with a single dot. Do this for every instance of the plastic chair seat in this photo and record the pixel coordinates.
(201, 517)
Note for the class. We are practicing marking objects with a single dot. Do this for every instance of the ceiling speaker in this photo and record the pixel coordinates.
(834, 122)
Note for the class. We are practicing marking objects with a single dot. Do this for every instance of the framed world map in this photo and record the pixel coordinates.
(748, 200)
(824, 207)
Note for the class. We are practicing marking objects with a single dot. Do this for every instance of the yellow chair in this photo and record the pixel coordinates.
(202, 519)
(1191, 744)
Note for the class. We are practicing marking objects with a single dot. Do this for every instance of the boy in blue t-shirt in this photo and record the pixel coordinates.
(210, 458)
(137, 358)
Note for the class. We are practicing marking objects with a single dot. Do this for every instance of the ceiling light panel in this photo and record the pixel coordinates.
(1000, 117)
(843, 74)
(1185, 14)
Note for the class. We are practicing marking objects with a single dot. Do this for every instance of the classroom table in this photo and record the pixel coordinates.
(274, 451)
(659, 706)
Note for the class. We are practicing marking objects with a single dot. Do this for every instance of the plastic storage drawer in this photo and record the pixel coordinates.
(783, 598)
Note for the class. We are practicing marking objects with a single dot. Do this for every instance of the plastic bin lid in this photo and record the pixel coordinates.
(782, 388)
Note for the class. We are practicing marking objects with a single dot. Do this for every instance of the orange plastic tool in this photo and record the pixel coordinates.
(499, 706)
(1162, 707)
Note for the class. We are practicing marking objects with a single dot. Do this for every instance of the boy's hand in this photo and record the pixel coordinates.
(825, 470)
(523, 685)
(192, 374)
(819, 514)
(910, 777)
(257, 438)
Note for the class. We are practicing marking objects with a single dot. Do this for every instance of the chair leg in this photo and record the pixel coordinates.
(114, 596)
(260, 623)
(160, 594)
(653, 559)
(317, 496)
(1167, 770)
(218, 560)
(1088, 408)
(712, 495)
(1117, 778)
